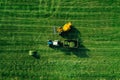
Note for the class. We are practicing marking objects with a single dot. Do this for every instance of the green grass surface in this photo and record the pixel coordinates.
(28, 24)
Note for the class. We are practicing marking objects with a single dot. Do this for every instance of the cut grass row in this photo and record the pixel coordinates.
(53, 65)
(61, 14)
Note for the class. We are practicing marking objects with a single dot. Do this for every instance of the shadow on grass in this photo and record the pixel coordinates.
(36, 55)
(79, 52)
(71, 34)
(74, 34)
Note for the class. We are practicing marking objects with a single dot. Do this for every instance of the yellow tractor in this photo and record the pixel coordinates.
(64, 28)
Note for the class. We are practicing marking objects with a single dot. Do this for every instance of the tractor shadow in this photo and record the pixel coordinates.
(81, 51)
(71, 34)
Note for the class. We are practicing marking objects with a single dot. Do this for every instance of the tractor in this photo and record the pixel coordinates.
(53, 43)
(65, 28)
(65, 43)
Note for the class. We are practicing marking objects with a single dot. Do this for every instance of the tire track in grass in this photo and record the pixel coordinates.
(38, 22)
(73, 4)
(40, 4)
(54, 8)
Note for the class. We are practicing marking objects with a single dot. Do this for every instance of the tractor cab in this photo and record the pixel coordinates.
(53, 43)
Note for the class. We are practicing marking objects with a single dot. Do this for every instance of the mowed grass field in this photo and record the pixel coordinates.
(28, 24)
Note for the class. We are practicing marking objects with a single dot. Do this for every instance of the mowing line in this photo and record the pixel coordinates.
(56, 8)
(39, 4)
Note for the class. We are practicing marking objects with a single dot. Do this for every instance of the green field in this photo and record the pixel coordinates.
(28, 24)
